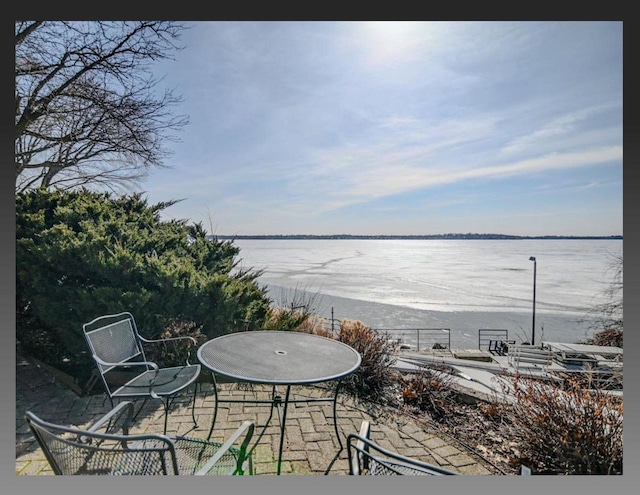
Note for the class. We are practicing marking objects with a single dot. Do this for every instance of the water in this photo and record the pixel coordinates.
(463, 285)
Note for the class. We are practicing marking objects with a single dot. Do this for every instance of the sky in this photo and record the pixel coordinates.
(396, 128)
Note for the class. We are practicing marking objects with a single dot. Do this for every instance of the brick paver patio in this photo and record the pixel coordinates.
(310, 442)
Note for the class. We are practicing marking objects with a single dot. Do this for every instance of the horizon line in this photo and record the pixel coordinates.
(416, 236)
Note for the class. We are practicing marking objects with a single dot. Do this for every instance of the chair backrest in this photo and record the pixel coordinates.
(368, 458)
(73, 451)
(113, 339)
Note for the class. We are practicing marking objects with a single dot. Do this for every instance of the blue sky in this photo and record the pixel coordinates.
(362, 127)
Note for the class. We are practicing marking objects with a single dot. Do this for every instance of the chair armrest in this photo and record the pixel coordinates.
(365, 431)
(168, 339)
(245, 429)
(193, 341)
(115, 413)
(127, 364)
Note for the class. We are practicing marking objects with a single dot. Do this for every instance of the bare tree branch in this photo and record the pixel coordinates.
(86, 102)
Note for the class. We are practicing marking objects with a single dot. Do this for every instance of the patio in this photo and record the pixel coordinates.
(310, 442)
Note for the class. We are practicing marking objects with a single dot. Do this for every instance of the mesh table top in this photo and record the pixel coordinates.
(279, 357)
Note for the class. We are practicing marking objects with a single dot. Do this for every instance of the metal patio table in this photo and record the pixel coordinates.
(283, 358)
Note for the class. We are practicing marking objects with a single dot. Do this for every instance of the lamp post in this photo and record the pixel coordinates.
(533, 323)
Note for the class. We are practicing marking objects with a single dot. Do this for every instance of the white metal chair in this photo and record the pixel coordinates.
(107, 448)
(369, 458)
(117, 346)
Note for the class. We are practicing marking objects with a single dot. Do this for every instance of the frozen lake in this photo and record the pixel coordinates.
(463, 285)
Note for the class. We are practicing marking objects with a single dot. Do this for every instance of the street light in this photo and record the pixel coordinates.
(533, 323)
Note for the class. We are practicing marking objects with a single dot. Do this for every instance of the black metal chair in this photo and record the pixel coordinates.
(368, 458)
(117, 346)
(107, 448)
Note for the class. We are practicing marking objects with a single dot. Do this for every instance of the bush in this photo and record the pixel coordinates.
(295, 309)
(608, 316)
(176, 352)
(82, 254)
(609, 337)
(376, 375)
(564, 429)
(285, 319)
(431, 392)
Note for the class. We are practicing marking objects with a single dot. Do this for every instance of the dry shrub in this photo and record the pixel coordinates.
(608, 337)
(296, 310)
(490, 410)
(285, 319)
(376, 375)
(299, 320)
(429, 391)
(176, 352)
(316, 325)
(564, 429)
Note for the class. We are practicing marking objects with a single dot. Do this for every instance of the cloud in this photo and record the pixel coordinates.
(564, 125)
(292, 120)
(384, 176)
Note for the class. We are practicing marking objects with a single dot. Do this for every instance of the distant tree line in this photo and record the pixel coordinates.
(410, 237)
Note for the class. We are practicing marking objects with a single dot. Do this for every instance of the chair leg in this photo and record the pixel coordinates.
(168, 401)
(144, 401)
(166, 414)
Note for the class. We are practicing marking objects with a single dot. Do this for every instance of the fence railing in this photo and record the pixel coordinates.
(420, 338)
(425, 338)
(331, 323)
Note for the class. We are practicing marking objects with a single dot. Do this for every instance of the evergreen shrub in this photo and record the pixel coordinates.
(83, 254)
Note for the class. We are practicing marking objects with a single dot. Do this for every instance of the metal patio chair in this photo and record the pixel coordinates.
(368, 458)
(116, 346)
(107, 448)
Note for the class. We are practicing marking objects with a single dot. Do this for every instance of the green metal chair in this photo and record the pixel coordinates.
(368, 458)
(116, 346)
(107, 448)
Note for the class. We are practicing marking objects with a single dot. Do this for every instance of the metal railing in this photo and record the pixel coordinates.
(424, 338)
(420, 338)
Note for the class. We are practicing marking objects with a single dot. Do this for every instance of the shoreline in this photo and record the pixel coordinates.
(464, 325)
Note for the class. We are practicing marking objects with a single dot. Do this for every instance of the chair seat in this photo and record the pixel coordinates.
(193, 453)
(168, 382)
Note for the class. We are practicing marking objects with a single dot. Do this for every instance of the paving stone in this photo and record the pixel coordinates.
(460, 460)
(434, 443)
(474, 470)
(294, 455)
(446, 451)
